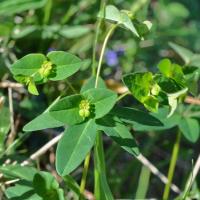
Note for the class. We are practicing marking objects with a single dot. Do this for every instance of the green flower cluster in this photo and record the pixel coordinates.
(84, 107)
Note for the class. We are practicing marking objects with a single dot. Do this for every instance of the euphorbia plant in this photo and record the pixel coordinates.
(95, 110)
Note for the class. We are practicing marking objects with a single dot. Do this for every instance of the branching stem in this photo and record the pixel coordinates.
(86, 162)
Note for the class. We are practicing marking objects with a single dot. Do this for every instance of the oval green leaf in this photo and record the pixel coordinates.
(43, 121)
(74, 146)
(28, 64)
(190, 129)
(66, 64)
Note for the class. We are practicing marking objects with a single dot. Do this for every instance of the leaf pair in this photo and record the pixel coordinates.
(78, 140)
(35, 69)
(152, 90)
(123, 18)
(67, 109)
(42, 121)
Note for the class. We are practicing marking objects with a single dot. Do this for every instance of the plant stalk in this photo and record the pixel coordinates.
(99, 23)
(87, 159)
(84, 176)
(172, 166)
(113, 27)
(99, 139)
(98, 163)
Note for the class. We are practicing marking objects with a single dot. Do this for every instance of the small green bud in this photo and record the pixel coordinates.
(84, 107)
(82, 113)
(87, 113)
(84, 104)
(46, 69)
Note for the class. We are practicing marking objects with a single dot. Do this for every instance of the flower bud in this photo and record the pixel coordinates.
(84, 107)
(46, 69)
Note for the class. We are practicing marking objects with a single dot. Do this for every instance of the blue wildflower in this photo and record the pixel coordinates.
(111, 58)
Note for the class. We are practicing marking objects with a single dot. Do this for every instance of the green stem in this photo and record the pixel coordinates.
(99, 139)
(84, 176)
(99, 23)
(113, 27)
(99, 166)
(172, 166)
(94, 49)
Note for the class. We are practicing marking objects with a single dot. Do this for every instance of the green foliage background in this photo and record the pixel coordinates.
(40, 26)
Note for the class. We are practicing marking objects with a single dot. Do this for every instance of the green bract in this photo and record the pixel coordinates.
(173, 83)
(36, 68)
(112, 14)
(66, 64)
(125, 19)
(70, 109)
(152, 90)
(173, 71)
(144, 89)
